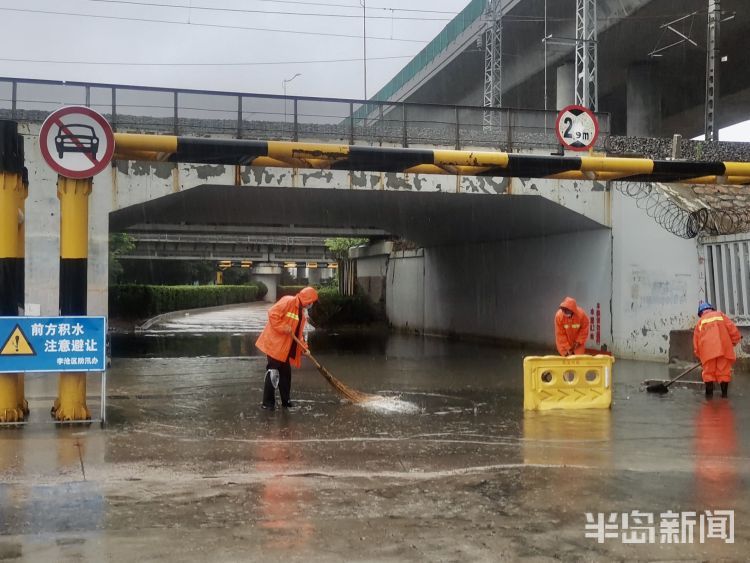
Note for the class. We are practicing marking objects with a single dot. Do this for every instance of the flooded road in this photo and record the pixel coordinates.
(191, 468)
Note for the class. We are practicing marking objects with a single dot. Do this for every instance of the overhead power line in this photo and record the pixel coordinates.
(253, 63)
(331, 5)
(271, 12)
(212, 25)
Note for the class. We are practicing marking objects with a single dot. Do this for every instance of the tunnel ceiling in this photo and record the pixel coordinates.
(425, 218)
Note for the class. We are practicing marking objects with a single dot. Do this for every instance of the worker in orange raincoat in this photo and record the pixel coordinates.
(285, 317)
(571, 328)
(714, 339)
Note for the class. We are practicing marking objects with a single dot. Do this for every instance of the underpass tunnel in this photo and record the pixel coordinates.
(493, 267)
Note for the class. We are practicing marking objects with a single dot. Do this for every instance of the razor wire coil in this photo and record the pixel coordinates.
(681, 222)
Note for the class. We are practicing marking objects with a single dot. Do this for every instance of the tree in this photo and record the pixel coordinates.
(119, 244)
(347, 272)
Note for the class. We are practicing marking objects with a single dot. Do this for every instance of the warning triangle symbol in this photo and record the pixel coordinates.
(17, 344)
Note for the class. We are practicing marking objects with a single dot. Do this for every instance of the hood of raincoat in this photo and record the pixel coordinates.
(307, 296)
(570, 304)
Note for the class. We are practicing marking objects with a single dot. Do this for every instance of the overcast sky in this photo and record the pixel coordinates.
(211, 43)
(210, 32)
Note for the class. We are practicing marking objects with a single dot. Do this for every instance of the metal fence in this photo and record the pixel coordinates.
(727, 271)
(271, 117)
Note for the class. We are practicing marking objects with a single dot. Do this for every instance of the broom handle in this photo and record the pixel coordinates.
(351, 394)
(323, 371)
(683, 374)
(306, 351)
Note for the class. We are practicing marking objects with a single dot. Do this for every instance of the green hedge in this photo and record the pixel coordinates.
(262, 289)
(334, 309)
(141, 301)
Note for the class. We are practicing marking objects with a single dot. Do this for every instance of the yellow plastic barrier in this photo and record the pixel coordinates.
(572, 382)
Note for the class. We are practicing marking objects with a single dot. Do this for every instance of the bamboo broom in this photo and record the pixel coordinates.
(346, 391)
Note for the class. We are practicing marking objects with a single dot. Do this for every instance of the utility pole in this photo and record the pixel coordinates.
(493, 42)
(712, 74)
(364, 43)
(283, 86)
(587, 78)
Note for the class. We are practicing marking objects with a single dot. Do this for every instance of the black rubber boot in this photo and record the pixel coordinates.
(724, 388)
(709, 389)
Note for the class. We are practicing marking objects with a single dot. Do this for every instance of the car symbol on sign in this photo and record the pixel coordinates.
(76, 137)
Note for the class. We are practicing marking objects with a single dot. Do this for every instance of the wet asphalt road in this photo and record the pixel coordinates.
(190, 468)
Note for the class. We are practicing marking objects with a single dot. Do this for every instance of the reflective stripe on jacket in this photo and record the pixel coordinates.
(715, 336)
(275, 341)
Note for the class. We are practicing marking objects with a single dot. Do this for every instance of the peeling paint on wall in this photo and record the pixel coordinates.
(140, 168)
(162, 170)
(325, 175)
(418, 182)
(481, 185)
(358, 179)
(396, 182)
(206, 171)
(599, 187)
(263, 176)
(245, 174)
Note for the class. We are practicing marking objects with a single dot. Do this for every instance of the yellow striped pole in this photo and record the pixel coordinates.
(74, 249)
(23, 193)
(11, 165)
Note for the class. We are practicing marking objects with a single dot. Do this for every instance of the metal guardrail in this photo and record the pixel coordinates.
(272, 117)
(471, 13)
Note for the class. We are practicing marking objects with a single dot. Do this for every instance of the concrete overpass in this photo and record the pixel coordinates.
(277, 245)
(494, 254)
(645, 95)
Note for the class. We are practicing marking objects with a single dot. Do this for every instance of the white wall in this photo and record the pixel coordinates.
(507, 290)
(657, 282)
(405, 295)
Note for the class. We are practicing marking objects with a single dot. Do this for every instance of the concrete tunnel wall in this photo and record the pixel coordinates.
(509, 290)
(658, 281)
(644, 281)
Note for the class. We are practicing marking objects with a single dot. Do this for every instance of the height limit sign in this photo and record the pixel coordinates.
(577, 128)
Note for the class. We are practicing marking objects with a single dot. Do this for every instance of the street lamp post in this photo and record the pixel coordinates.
(283, 86)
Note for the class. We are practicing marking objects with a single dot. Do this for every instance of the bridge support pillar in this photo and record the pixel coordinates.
(313, 276)
(643, 101)
(269, 274)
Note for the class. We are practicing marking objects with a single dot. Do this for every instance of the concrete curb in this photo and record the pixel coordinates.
(182, 312)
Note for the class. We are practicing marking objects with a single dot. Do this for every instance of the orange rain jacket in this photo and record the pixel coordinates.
(571, 333)
(714, 337)
(276, 339)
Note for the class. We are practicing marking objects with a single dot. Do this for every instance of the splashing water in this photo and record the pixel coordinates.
(390, 405)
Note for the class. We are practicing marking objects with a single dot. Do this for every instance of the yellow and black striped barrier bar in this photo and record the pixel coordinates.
(423, 161)
(11, 265)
